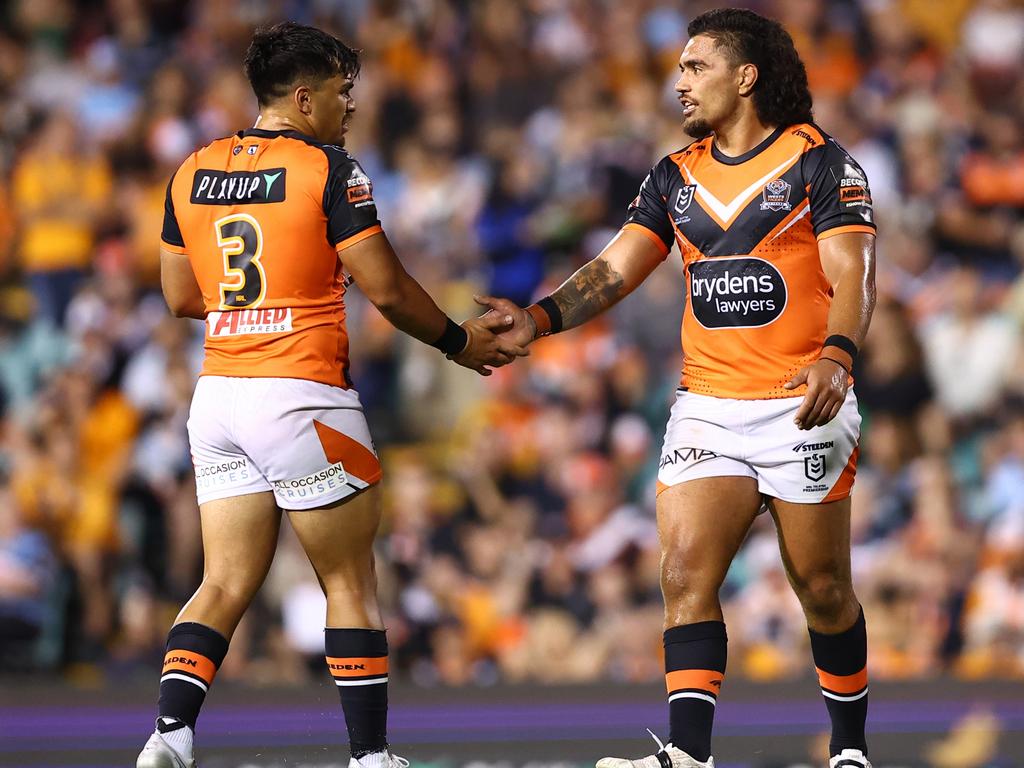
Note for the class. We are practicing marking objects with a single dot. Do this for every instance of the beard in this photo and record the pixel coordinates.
(697, 127)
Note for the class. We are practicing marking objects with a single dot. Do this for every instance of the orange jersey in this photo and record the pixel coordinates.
(748, 229)
(262, 216)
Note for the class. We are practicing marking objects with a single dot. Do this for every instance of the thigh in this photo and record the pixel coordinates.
(338, 538)
(701, 525)
(239, 539)
(814, 539)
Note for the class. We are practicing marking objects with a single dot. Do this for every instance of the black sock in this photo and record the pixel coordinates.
(194, 653)
(358, 661)
(695, 656)
(841, 660)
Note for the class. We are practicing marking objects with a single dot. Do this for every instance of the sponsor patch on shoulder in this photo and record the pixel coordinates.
(359, 190)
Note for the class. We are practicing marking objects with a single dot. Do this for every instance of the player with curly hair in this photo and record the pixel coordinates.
(774, 223)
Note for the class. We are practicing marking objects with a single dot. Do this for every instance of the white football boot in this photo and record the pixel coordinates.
(849, 758)
(667, 756)
(159, 754)
(379, 760)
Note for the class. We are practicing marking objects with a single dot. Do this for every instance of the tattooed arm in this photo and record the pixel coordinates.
(599, 284)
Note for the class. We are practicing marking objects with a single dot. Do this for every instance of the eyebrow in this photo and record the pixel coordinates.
(693, 63)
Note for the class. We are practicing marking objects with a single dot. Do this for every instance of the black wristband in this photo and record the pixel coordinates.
(453, 340)
(842, 342)
(549, 306)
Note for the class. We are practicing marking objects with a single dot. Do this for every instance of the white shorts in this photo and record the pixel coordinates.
(307, 442)
(722, 437)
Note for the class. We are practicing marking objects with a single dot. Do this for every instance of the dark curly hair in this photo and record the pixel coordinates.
(781, 94)
(281, 55)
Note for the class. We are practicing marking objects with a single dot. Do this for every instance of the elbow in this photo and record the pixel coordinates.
(181, 308)
(177, 308)
(387, 301)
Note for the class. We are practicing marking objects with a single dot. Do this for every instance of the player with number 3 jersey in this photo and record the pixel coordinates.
(259, 231)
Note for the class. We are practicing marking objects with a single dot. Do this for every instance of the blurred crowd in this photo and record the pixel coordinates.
(505, 141)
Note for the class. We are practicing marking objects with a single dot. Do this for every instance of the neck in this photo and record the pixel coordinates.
(270, 120)
(741, 133)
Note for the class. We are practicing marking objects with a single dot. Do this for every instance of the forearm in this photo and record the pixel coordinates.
(593, 288)
(411, 310)
(853, 302)
(852, 305)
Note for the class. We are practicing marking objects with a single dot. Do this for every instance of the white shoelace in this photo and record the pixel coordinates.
(661, 747)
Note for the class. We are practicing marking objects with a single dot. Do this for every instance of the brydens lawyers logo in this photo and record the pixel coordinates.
(741, 292)
(776, 196)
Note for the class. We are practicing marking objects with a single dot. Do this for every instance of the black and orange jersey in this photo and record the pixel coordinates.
(263, 216)
(747, 227)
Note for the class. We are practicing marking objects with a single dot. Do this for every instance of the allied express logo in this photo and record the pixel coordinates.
(741, 292)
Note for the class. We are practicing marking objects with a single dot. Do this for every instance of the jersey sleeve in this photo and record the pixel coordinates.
(348, 201)
(648, 212)
(838, 191)
(170, 236)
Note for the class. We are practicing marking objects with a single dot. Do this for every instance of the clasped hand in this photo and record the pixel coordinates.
(488, 343)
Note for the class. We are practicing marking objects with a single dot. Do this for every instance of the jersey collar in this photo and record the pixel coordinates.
(748, 155)
(262, 134)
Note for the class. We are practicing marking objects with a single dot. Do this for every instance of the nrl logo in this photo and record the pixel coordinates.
(814, 467)
(684, 198)
(776, 196)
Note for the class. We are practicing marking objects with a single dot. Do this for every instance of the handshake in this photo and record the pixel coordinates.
(497, 337)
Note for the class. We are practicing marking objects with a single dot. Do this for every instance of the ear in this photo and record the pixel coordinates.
(302, 96)
(748, 78)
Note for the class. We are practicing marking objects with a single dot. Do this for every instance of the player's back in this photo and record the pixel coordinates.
(261, 216)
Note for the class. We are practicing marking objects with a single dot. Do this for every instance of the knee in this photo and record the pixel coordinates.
(233, 594)
(690, 588)
(824, 593)
(356, 580)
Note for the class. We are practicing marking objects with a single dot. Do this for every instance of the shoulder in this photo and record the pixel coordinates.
(807, 135)
(824, 148)
(341, 164)
(694, 149)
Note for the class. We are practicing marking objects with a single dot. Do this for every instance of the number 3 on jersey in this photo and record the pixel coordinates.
(241, 242)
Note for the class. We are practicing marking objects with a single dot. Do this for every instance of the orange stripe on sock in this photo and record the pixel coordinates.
(357, 667)
(843, 683)
(702, 679)
(187, 661)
